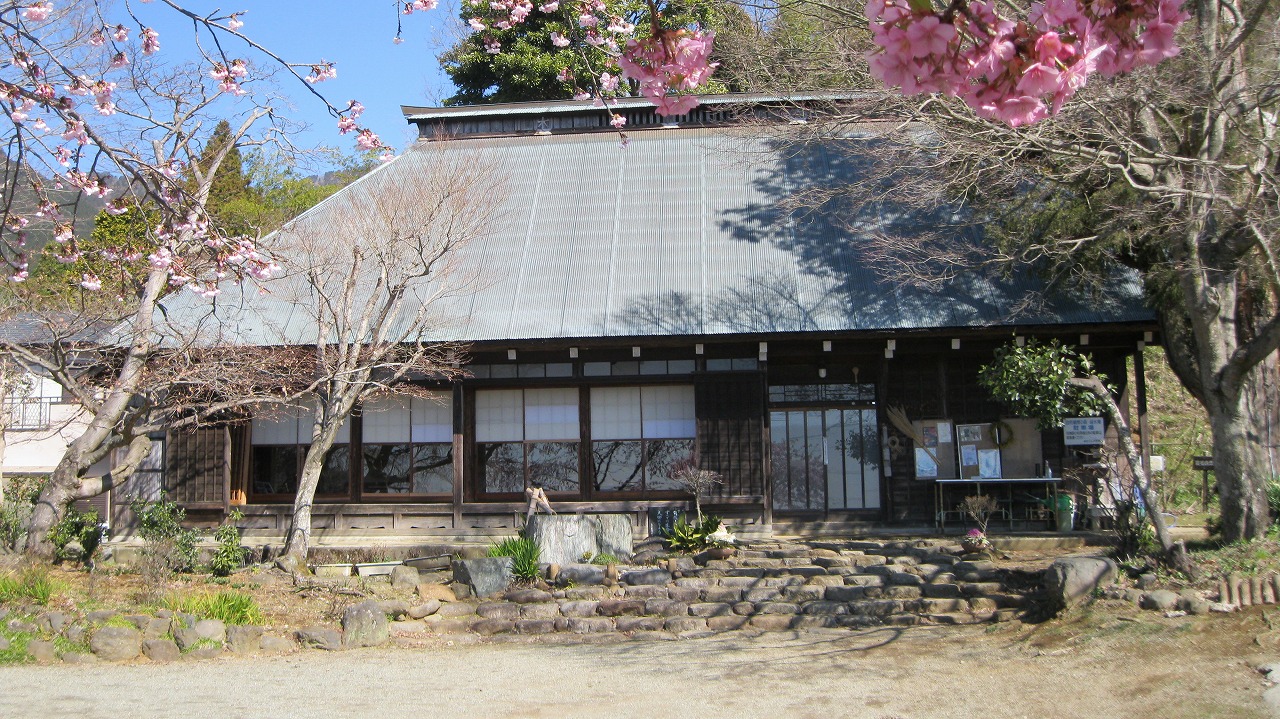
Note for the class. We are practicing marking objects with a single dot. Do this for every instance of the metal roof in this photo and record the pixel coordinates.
(680, 233)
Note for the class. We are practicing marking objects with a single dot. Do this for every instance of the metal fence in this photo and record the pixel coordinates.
(28, 413)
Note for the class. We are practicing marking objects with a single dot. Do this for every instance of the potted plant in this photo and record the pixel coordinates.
(980, 509)
(720, 543)
(975, 541)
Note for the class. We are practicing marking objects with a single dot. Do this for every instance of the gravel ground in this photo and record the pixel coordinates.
(1094, 667)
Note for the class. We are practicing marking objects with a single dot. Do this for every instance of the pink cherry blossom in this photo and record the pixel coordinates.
(476, 24)
(367, 140)
(37, 12)
(90, 282)
(322, 71)
(120, 33)
(150, 42)
(671, 61)
(550, 7)
(234, 22)
(559, 40)
(618, 121)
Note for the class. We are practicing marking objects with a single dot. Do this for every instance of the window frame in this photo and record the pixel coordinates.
(644, 492)
(476, 468)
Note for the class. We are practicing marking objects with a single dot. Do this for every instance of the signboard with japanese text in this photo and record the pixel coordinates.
(1083, 431)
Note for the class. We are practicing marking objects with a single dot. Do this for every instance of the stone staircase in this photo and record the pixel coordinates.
(768, 586)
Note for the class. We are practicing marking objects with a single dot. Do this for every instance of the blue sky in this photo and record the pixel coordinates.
(356, 35)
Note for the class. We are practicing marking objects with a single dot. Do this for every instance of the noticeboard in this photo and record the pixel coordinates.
(1083, 431)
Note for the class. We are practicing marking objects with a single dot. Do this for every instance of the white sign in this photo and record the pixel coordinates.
(1083, 431)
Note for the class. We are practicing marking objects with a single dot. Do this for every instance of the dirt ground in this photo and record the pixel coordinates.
(1109, 662)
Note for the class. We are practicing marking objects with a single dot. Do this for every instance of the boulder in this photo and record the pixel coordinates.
(116, 644)
(213, 630)
(404, 578)
(364, 625)
(1160, 600)
(565, 538)
(580, 574)
(1070, 581)
(485, 576)
(427, 608)
(161, 650)
(321, 638)
(394, 608)
(438, 592)
(244, 639)
(186, 637)
(53, 621)
(276, 645)
(4, 643)
(647, 576)
(42, 651)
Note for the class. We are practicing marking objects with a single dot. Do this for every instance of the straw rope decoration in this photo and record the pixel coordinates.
(898, 418)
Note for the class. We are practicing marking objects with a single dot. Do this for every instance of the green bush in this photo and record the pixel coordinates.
(83, 528)
(686, 537)
(230, 554)
(19, 499)
(229, 607)
(525, 556)
(32, 584)
(170, 546)
(1273, 499)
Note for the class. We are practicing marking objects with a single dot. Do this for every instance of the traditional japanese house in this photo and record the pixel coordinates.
(652, 303)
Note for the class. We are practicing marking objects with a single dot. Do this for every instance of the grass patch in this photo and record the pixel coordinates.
(229, 607)
(202, 644)
(66, 646)
(17, 651)
(1245, 558)
(32, 584)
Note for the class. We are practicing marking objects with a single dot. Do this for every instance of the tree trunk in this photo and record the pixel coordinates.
(1175, 554)
(298, 542)
(1241, 458)
(95, 442)
(54, 498)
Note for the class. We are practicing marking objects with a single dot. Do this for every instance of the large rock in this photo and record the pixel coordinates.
(364, 625)
(321, 638)
(116, 644)
(438, 592)
(580, 574)
(1160, 600)
(244, 639)
(485, 576)
(405, 578)
(161, 650)
(565, 538)
(42, 651)
(212, 630)
(427, 608)
(1070, 581)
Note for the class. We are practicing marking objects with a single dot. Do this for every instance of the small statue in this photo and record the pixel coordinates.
(537, 500)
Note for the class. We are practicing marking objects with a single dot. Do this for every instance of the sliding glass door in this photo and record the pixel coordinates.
(825, 459)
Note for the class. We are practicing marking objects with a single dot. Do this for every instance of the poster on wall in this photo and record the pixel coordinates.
(989, 463)
(944, 432)
(930, 434)
(969, 455)
(926, 468)
(970, 433)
